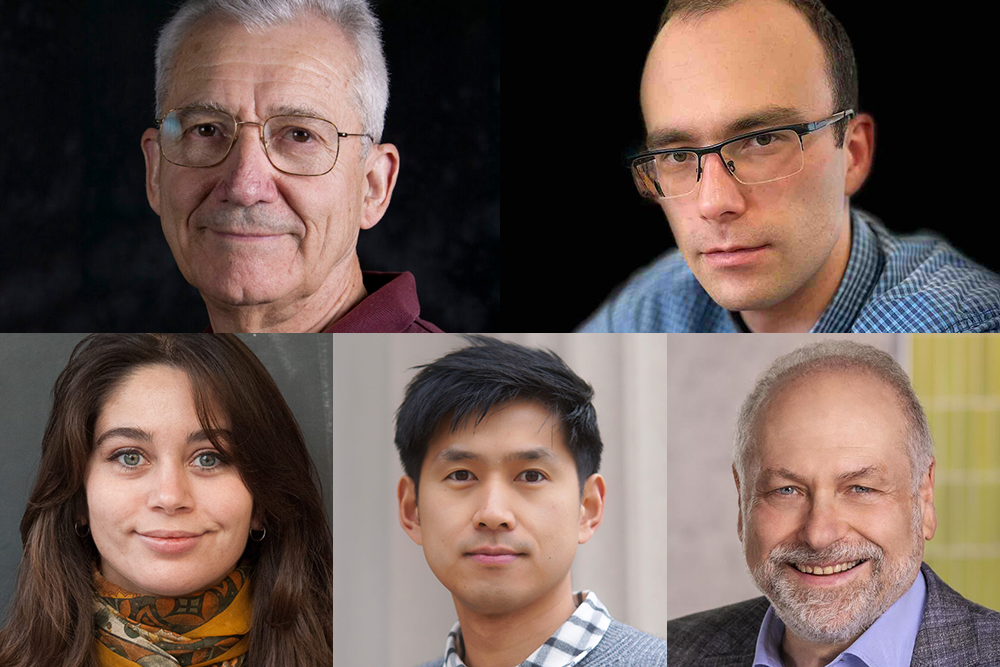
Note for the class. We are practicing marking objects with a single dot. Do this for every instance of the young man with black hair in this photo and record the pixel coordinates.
(501, 450)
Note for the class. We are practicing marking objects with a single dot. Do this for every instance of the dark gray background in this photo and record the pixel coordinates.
(301, 366)
(82, 250)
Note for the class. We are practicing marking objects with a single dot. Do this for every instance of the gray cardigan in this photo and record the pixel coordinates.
(954, 632)
(621, 646)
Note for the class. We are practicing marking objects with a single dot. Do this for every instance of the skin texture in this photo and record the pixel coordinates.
(269, 251)
(168, 486)
(506, 610)
(819, 427)
(700, 76)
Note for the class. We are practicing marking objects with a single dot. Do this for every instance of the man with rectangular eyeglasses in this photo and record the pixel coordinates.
(265, 164)
(754, 147)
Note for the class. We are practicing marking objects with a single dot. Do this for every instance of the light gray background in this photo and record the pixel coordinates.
(397, 614)
(710, 375)
(30, 363)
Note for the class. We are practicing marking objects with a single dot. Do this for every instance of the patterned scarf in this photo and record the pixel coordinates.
(197, 630)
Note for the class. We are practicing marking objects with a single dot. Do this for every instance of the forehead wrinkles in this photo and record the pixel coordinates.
(213, 60)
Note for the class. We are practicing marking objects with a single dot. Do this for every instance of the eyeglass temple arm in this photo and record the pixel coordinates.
(820, 124)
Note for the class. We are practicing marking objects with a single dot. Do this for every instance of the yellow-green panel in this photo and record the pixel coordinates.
(957, 377)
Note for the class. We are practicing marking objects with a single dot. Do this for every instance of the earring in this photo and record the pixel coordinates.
(263, 532)
(86, 529)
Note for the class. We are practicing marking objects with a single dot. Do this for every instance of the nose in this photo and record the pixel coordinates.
(823, 524)
(250, 175)
(494, 511)
(719, 196)
(172, 490)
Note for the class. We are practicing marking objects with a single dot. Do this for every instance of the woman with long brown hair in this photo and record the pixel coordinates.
(176, 518)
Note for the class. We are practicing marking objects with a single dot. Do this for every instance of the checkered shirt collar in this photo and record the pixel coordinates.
(863, 270)
(571, 642)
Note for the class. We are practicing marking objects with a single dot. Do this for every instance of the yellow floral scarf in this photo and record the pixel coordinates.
(205, 628)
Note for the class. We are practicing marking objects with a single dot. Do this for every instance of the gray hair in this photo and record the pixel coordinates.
(829, 355)
(370, 84)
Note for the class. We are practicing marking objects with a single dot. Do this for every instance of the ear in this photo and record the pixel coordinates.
(926, 493)
(739, 506)
(859, 144)
(151, 153)
(591, 506)
(409, 515)
(381, 169)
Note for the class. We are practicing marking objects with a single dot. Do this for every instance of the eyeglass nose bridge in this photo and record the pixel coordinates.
(236, 136)
(729, 165)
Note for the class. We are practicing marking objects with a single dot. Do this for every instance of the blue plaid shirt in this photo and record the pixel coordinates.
(892, 283)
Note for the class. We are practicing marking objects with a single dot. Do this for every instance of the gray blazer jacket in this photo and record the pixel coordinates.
(954, 632)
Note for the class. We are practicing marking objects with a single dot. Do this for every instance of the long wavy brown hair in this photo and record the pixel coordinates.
(50, 620)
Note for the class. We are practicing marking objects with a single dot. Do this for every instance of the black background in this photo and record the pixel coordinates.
(923, 75)
(81, 249)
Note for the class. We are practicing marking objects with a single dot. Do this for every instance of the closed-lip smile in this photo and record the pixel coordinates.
(169, 534)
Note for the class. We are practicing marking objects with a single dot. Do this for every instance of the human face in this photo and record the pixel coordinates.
(700, 78)
(168, 516)
(500, 511)
(834, 487)
(242, 232)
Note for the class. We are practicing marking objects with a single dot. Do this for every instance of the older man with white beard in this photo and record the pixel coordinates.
(834, 469)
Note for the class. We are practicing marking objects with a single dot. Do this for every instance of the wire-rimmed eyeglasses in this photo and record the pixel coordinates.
(296, 145)
(757, 157)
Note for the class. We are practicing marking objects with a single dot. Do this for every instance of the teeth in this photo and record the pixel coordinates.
(829, 569)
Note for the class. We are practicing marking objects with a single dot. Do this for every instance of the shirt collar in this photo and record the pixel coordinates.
(391, 305)
(887, 643)
(863, 270)
(568, 646)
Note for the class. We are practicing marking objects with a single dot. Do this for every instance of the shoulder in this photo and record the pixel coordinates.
(954, 630)
(717, 637)
(927, 285)
(663, 296)
(624, 646)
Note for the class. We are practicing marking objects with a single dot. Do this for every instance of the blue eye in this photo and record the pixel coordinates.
(789, 489)
(861, 489)
(208, 460)
(128, 458)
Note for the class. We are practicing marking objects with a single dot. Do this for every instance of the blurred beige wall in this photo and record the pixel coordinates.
(389, 608)
(710, 375)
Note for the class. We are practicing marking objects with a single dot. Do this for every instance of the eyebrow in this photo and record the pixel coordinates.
(875, 471)
(759, 118)
(274, 110)
(453, 454)
(133, 433)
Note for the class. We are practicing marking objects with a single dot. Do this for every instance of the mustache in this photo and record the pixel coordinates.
(252, 220)
(838, 552)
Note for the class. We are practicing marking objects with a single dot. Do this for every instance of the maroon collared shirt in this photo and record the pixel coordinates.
(390, 307)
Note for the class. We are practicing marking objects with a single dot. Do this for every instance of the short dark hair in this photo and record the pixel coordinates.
(841, 67)
(490, 373)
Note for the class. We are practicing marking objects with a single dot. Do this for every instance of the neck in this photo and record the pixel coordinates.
(506, 640)
(340, 292)
(798, 652)
(801, 311)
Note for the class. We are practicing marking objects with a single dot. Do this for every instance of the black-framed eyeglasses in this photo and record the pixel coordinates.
(295, 145)
(757, 157)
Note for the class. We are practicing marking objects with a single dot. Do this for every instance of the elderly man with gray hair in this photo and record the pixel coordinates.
(266, 227)
(834, 468)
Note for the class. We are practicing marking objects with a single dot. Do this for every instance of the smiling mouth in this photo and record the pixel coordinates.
(827, 569)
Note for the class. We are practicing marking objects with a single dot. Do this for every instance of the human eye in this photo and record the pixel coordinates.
(127, 459)
(784, 491)
(210, 460)
(531, 476)
(461, 476)
(862, 490)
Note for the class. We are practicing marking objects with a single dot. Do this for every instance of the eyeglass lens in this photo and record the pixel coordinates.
(757, 159)
(295, 144)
